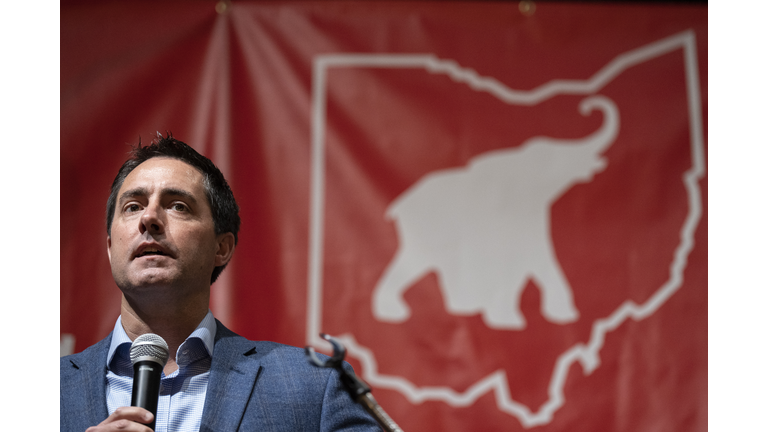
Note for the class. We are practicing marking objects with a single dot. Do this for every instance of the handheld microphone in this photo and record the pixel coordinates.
(149, 352)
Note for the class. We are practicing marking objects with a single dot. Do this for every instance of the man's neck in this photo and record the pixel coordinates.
(174, 325)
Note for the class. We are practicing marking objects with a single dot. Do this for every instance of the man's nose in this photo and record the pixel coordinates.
(152, 220)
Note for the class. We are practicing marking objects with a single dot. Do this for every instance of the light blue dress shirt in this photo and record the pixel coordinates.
(182, 393)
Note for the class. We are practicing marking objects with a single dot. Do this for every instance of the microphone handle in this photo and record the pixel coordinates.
(146, 387)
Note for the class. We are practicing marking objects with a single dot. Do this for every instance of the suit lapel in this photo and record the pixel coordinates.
(234, 371)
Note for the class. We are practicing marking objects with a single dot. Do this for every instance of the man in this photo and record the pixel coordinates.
(172, 224)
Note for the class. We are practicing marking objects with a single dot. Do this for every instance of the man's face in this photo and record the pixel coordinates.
(163, 233)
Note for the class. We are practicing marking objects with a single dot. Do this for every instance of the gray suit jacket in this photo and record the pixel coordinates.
(253, 386)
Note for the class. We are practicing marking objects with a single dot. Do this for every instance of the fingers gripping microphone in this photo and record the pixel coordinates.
(149, 352)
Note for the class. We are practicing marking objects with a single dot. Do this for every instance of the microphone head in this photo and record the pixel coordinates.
(150, 347)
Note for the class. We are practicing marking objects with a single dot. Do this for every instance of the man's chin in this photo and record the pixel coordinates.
(148, 280)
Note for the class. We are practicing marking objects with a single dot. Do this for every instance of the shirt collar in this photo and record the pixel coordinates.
(205, 331)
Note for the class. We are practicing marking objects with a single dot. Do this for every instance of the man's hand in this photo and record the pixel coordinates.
(125, 419)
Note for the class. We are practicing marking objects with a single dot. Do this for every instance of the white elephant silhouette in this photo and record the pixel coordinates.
(485, 228)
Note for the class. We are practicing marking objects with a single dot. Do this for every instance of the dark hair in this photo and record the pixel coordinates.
(220, 198)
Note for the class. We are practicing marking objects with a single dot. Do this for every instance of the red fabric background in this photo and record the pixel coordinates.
(238, 87)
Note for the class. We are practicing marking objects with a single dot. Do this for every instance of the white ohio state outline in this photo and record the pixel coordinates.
(587, 355)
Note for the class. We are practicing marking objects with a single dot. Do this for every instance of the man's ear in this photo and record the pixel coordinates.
(226, 247)
(109, 249)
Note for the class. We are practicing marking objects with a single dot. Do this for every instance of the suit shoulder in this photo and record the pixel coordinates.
(267, 352)
(225, 336)
(271, 349)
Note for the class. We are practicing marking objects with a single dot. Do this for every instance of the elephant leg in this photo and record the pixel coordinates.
(557, 303)
(401, 273)
(503, 310)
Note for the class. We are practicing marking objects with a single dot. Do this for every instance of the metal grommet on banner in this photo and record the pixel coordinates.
(527, 7)
(222, 6)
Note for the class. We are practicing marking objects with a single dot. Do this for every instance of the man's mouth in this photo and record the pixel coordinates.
(150, 251)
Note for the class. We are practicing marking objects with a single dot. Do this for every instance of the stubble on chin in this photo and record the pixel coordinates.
(149, 282)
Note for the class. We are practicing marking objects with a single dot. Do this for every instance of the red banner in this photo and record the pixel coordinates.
(499, 208)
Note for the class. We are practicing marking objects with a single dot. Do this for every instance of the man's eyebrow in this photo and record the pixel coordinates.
(141, 191)
(133, 193)
(180, 193)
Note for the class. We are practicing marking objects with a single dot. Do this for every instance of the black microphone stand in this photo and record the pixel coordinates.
(357, 388)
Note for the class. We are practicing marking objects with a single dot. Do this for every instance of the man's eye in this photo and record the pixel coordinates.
(179, 207)
(132, 208)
